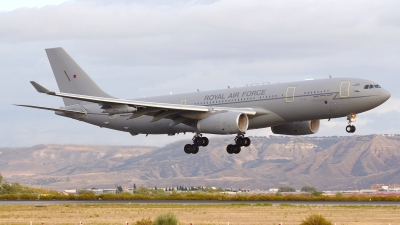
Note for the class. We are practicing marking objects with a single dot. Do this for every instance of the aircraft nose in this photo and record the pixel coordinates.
(385, 95)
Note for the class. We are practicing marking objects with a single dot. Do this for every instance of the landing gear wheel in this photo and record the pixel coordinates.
(247, 142)
(237, 149)
(195, 149)
(205, 141)
(353, 129)
(230, 148)
(198, 141)
(350, 128)
(240, 141)
(188, 148)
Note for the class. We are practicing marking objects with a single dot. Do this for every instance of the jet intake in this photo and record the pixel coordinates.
(228, 122)
(297, 128)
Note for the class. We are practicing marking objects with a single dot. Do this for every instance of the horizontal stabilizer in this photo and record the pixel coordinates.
(53, 109)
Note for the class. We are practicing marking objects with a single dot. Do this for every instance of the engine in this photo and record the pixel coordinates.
(224, 123)
(297, 128)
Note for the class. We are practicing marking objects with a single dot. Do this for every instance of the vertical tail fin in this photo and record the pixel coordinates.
(70, 76)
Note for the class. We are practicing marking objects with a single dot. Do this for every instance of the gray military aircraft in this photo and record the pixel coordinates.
(294, 108)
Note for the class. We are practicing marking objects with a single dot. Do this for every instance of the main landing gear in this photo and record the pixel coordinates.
(240, 141)
(198, 141)
(351, 118)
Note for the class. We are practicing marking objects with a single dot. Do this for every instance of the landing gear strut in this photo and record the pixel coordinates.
(351, 118)
(241, 141)
(198, 141)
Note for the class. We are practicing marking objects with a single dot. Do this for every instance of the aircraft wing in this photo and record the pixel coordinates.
(135, 103)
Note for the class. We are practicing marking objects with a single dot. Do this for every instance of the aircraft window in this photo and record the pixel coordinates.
(366, 86)
(371, 86)
(377, 86)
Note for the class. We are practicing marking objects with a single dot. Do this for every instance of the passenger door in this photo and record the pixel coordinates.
(345, 89)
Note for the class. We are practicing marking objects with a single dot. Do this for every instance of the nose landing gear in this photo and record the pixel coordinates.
(351, 118)
(198, 141)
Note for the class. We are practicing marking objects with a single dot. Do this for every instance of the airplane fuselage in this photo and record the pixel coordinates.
(283, 103)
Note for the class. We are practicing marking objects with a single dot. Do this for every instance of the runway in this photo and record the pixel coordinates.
(196, 202)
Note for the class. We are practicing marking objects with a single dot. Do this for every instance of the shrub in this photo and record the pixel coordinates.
(166, 219)
(316, 193)
(144, 221)
(25, 196)
(315, 219)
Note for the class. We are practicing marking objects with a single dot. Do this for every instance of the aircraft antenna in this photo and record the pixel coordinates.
(330, 76)
(198, 90)
(229, 87)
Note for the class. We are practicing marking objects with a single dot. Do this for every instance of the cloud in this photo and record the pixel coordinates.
(136, 48)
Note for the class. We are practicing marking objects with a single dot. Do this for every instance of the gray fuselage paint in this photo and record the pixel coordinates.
(287, 102)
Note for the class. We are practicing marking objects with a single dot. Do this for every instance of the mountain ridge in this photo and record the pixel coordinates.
(324, 162)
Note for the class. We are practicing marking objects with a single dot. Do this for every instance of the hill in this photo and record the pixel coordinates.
(324, 162)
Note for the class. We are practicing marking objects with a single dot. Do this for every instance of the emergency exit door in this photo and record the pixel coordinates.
(290, 94)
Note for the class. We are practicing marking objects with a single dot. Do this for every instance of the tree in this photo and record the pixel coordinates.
(308, 189)
(286, 189)
(1, 178)
(143, 191)
(339, 194)
(134, 186)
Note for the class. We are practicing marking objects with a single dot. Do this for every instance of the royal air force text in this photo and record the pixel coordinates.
(234, 95)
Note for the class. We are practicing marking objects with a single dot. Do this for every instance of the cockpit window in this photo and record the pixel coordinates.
(369, 86)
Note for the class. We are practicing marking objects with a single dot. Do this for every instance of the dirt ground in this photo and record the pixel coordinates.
(232, 214)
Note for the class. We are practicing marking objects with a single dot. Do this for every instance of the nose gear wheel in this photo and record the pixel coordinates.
(351, 118)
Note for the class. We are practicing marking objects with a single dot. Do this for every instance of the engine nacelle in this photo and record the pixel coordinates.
(297, 128)
(224, 123)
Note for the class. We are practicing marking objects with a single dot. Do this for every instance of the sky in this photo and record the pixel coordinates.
(148, 48)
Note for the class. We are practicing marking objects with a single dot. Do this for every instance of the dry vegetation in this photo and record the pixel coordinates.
(196, 214)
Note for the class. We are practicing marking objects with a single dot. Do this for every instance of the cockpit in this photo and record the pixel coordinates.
(370, 86)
